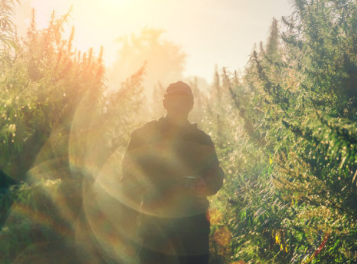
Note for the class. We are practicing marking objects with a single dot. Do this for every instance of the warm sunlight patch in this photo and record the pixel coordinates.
(110, 2)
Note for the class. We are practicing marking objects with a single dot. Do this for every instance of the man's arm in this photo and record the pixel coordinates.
(128, 163)
(212, 176)
(131, 180)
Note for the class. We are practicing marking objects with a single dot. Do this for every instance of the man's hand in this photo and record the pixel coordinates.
(200, 187)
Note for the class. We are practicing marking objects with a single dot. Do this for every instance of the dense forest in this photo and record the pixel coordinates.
(285, 131)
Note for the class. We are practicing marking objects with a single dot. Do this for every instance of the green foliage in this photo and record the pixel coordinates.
(40, 88)
(285, 132)
(297, 105)
(33, 219)
(58, 127)
(7, 26)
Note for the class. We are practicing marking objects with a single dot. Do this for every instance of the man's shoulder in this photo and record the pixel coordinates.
(194, 127)
(200, 135)
(154, 127)
(147, 128)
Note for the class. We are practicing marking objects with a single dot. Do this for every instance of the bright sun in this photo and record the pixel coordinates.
(114, 2)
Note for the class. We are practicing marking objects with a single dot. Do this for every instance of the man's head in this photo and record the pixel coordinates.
(178, 100)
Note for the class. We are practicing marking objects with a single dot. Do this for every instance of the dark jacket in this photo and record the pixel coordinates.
(158, 167)
(158, 160)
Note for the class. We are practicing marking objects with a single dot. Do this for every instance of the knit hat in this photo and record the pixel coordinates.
(179, 87)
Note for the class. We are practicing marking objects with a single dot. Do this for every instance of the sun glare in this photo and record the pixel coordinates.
(111, 2)
(116, 1)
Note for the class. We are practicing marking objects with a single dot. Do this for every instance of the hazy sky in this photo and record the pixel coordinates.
(211, 32)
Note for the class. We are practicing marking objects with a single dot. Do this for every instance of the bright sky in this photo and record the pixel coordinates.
(211, 32)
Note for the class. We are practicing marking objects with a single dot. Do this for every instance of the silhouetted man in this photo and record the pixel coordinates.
(169, 169)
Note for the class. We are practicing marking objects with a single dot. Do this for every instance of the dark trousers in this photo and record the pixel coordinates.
(148, 256)
(186, 241)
